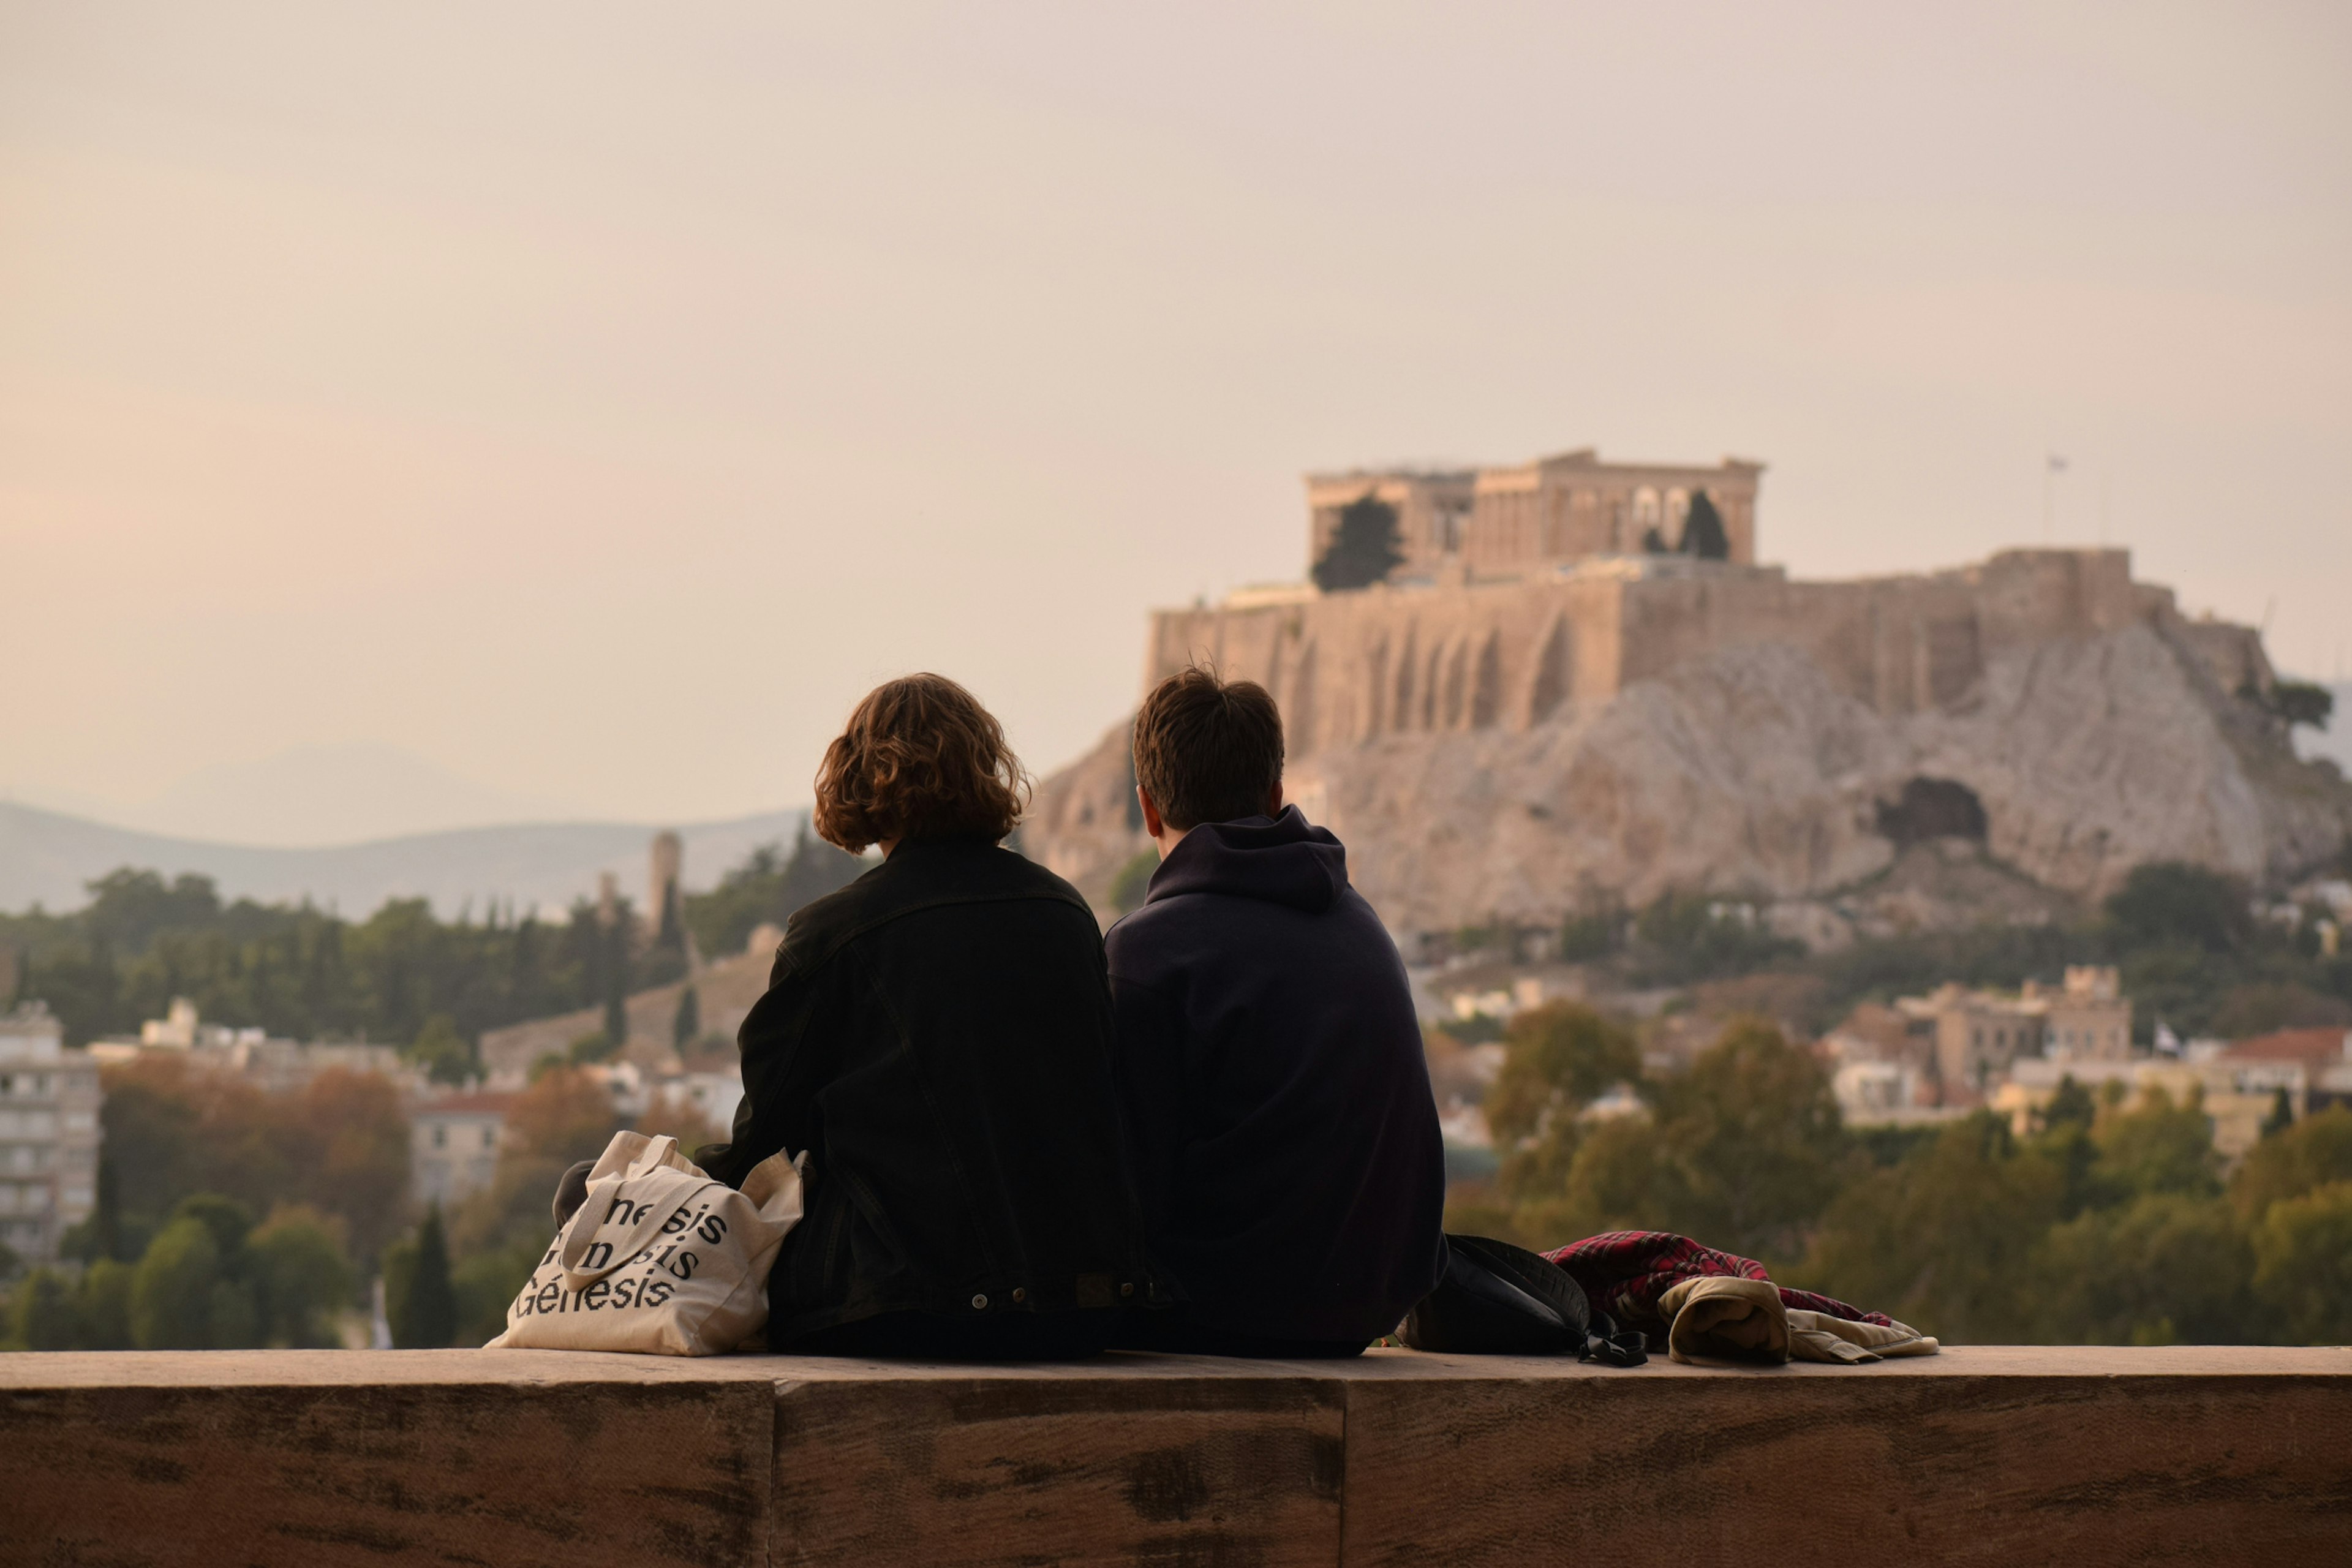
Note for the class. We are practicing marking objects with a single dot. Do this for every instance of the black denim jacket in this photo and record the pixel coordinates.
(938, 1036)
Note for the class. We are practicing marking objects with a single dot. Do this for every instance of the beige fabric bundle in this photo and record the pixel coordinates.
(660, 1260)
(1722, 1317)
(1725, 1319)
(1821, 1336)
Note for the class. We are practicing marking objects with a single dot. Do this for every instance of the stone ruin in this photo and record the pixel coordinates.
(1519, 736)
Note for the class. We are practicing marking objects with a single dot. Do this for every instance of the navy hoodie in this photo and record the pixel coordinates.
(1272, 1086)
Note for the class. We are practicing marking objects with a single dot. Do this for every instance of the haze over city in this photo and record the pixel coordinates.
(583, 405)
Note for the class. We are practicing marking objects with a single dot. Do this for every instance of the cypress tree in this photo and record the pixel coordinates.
(1703, 532)
(108, 1238)
(687, 1025)
(2282, 1116)
(426, 1317)
(1363, 548)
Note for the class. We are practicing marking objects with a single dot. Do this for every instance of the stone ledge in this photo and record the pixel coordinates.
(1996, 1453)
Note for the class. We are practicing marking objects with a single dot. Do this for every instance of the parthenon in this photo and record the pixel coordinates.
(1547, 512)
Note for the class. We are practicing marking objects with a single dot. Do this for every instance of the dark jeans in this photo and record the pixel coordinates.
(1172, 1331)
(922, 1336)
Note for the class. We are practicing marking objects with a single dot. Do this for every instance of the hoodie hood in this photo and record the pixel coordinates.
(1283, 860)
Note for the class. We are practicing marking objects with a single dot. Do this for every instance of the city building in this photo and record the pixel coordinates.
(271, 1064)
(1978, 1034)
(2313, 1066)
(50, 1100)
(454, 1143)
(1882, 1064)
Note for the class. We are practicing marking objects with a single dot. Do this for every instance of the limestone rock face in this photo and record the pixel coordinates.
(1745, 772)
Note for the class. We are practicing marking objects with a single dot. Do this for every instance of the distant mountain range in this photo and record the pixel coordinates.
(47, 856)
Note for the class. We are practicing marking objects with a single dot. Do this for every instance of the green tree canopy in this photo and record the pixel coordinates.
(301, 1278)
(2160, 1147)
(172, 1293)
(768, 888)
(1948, 1237)
(2174, 904)
(45, 1315)
(1557, 1058)
(1363, 548)
(2301, 702)
(1702, 531)
(2310, 1154)
(1741, 1151)
(446, 1056)
(2302, 1266)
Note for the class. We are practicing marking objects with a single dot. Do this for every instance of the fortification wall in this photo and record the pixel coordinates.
(1507, 653)
(1518, 746)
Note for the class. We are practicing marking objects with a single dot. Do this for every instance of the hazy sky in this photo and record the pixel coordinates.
(594, 400)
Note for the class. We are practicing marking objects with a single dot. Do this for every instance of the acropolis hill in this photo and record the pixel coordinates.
(1531, 714)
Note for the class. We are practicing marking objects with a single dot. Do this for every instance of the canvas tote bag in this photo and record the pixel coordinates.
(661, 1259)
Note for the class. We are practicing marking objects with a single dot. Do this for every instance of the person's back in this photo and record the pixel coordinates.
(1272, 1089)
(937, 1035)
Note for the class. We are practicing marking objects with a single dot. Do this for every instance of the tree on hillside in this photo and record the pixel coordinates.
(2301, 702)
(768, 888)
(128, 910)
(419, 1303)
(2172, 903)
(685, 1025)
(1703, 531)
(446, 1056)
(1363, 548)
(1558, 1059)
(2282, 1116)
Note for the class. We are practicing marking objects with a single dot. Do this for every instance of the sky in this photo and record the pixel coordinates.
(582, 406)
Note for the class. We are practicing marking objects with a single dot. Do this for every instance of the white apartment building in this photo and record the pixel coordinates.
(453, 1145)
(49, 1134)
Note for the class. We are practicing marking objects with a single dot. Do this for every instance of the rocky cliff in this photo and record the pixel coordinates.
(1744, 771)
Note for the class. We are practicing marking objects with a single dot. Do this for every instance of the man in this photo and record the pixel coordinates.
(1276, 1105)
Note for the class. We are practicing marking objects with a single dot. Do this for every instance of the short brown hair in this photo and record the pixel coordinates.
(920, 759)
(1208, 749)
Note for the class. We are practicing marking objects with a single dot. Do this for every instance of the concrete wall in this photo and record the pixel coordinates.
(2087, 1456)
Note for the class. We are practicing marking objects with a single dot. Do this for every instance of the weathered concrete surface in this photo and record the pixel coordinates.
(2085, 1456)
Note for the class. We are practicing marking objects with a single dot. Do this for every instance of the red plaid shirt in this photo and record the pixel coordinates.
(1625, 1272)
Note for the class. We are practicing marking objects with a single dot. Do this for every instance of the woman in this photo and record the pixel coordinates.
(937, 1037)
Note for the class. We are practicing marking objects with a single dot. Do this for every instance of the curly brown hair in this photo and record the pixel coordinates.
(920, 759)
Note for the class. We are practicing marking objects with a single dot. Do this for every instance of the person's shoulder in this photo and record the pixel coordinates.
(817, 929)
(1030, 876)
(937, 875)
(1142, 923)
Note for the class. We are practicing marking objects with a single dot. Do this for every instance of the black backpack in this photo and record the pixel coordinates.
(1495, 1299)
